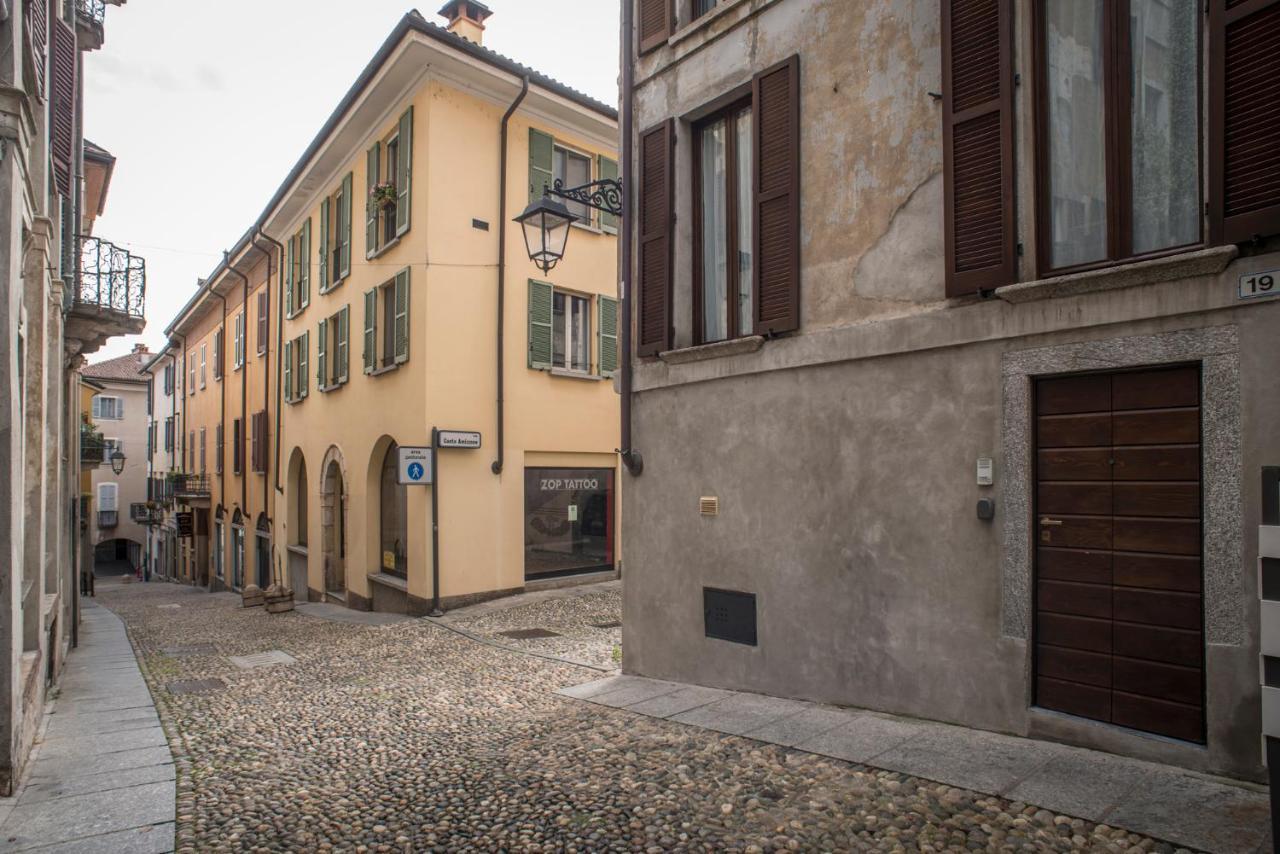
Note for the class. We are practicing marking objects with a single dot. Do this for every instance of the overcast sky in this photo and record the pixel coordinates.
(207, 104)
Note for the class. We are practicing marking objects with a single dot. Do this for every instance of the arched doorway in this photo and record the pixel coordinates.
(333, 518)
(237, 550)
(295, 523)
(393, 522)
(262, 552)
(219, 546)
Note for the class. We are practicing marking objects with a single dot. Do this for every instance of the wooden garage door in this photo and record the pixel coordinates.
(1118, 576)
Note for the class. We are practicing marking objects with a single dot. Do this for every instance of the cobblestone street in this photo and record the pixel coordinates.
(413, 736)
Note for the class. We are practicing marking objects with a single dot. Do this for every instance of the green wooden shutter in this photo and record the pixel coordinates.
(541, 303)
(344, 229)
(304, 256)
(402, 316)
(322, 355)
(325, 209)
(370, 209)
(608, 326)
(304, 353)
(288, 371)
(288, 281)
(404, 171)
(342, 357)
(607, 170)
(370, 330)
(541, 154)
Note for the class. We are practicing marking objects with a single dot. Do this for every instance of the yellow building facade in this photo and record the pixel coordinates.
(402, 299)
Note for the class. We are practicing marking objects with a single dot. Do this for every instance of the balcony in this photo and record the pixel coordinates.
(90, 17)
(191, 487)
(108, 298)
(141, 513)
(93, 448)
(108, 519)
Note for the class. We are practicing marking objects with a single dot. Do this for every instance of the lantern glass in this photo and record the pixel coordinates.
(117, 462)
(546, 231)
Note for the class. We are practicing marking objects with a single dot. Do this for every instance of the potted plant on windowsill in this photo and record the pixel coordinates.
(383, 194)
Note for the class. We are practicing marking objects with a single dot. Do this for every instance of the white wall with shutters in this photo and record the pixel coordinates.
(107, 496)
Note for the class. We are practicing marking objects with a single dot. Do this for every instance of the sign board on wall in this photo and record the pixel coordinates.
(1265, 283)
(469, 439)
(186, 524)
(414, 465)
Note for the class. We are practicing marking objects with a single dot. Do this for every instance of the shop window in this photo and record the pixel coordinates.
(568, 521)
(394, 521)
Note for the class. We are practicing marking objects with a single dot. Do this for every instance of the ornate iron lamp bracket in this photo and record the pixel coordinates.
(603, 195)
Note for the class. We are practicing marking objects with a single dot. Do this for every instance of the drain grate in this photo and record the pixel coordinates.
(262, 659)
(612, 624)
(195, 686)
(189, 649)
(529, 634)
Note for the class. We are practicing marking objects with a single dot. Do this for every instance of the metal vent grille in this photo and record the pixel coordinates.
(729, 615)
(709, 505)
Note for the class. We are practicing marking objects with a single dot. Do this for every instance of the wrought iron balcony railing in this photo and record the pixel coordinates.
(93, 448)
(191, 485)
(91, 12)
(111, 278)
(108, 518)
(144, 515)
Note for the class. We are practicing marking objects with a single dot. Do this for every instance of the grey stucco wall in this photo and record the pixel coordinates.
(847, 493)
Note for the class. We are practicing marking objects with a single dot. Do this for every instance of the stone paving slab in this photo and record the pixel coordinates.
(1142, 797)
(152, 839)
(101, 777)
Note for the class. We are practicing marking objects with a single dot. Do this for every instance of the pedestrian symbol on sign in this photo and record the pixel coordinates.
(415, 471)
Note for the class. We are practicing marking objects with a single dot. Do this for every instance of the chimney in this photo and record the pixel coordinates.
(466, 19)
(140, 349)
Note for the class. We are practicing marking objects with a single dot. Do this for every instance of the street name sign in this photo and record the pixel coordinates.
(458, 438)
(414, 466)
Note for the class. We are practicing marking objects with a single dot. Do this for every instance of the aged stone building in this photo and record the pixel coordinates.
(63, 293)
(954, 364)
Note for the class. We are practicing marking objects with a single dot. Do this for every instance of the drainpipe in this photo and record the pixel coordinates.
(630, 457)
(266, 370)
(279, 349)
(244, 378)
(502, 265)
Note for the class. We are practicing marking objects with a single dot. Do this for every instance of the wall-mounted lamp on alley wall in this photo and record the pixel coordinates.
(117, 461)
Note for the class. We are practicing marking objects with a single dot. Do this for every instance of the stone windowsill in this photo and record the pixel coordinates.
(703, 21)
(298, 550)
(387, 580)
(575, 375)
(718, 350)
(382, 250)
(385, 369)
(1184, 265)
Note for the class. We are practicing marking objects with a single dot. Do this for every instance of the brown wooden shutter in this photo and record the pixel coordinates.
(977, 129)
(36, 22)
(655, 18)
(62, 108)
(776, 96)
(1244, 119)
(653, 322)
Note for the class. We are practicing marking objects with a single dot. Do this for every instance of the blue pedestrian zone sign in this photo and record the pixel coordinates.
(415, 466)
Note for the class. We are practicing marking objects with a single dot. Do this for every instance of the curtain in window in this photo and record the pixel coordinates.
(1077, 149)
(1166, 184)
(746, 207)
(715, 278)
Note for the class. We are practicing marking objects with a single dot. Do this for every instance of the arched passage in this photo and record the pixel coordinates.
(295, 523)
(333, 522)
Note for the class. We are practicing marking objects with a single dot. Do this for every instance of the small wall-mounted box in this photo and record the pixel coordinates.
(709, 505)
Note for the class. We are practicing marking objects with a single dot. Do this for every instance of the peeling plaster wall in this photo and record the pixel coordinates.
(871, 137)
(843, 455)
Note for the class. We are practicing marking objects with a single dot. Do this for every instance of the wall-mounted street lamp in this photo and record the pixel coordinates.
(117, 461)
(546, 221)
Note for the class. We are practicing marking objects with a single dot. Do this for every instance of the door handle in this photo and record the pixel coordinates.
(1047, 521)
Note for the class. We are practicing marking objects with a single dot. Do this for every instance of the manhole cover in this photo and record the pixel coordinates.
(262, 659)
(612, 624)
(196, 686)
(185, 650)
(528, 634)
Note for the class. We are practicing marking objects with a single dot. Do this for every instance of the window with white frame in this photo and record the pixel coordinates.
(563, 325)
(238, 341)
(573, 169)
(386, 324)
(333, 350)
(296, 366)
(108, 408)
(571, 332)
(204, 363)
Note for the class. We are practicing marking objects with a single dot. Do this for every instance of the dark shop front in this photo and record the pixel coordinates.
(568, 525)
